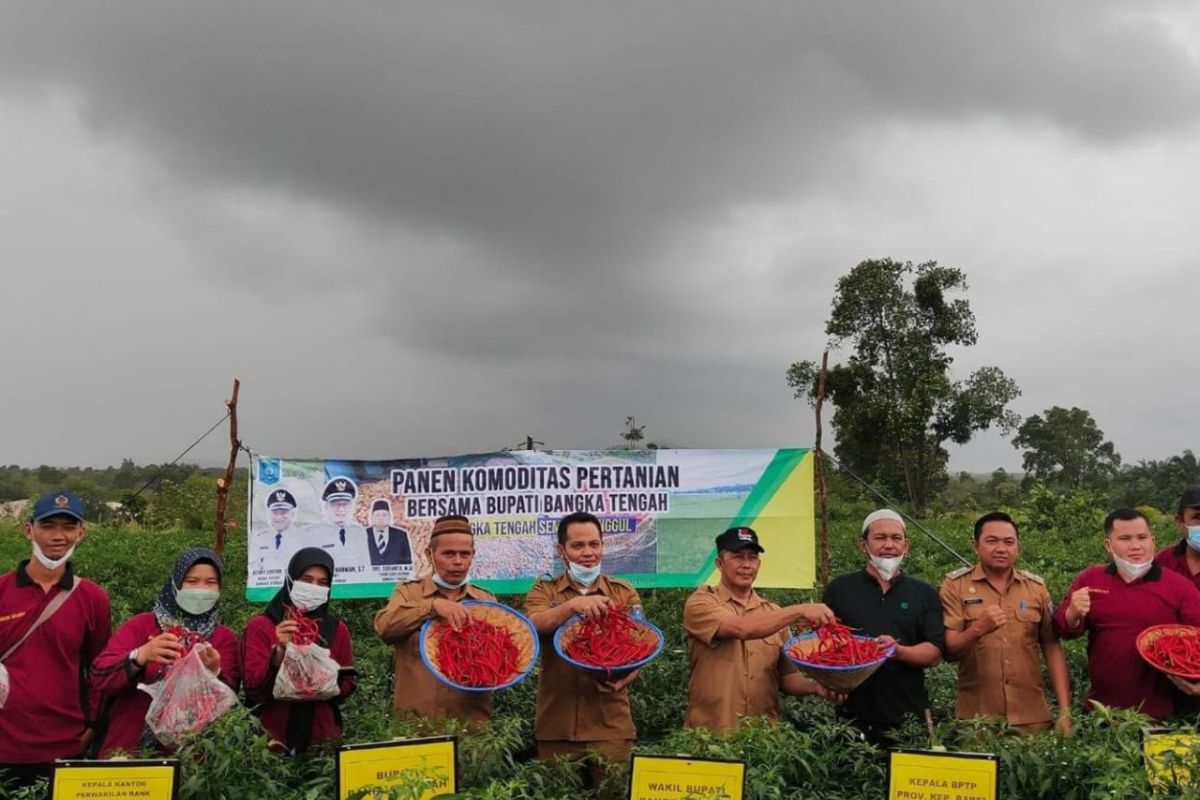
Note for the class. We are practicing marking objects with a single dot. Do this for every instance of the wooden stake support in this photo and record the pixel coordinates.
(819, 471)
(224, 483)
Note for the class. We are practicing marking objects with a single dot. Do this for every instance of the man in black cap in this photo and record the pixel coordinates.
(735, 641)
(53, 624)
(389, 545)
(341, 536)
(272, 547)
(1184, 556)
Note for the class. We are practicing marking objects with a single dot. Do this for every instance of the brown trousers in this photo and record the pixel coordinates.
(610, 750)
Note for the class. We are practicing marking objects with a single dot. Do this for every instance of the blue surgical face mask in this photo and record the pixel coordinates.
(1193, 537)
(584, 576)
(450, 587)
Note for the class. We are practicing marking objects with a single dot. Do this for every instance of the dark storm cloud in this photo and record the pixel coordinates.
(569, 135)
(530, 212)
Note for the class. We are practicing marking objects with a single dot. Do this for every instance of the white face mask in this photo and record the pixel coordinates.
(584, 576)
(1129, 570)
(886, 567)
(52, 564)
(450, 587)
(307, 596)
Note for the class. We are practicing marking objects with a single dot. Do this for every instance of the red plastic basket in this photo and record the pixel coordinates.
(1153, 633)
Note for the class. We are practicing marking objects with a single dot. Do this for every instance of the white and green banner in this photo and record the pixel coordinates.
(660, 511)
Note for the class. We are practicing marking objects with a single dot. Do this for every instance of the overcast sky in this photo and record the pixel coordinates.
(432, 228)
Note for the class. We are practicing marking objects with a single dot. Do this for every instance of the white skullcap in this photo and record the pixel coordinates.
(883, 513)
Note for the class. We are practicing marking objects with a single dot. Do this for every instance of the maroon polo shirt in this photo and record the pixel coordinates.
(48, 703)
(1117, 674)
(1174, 558)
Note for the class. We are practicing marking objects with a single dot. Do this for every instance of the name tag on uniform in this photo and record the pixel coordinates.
(970, 601)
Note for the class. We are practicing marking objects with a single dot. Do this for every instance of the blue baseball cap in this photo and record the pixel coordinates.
(53, 503)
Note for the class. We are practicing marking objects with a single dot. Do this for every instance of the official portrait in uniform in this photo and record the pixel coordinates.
(340, 535)
(271, 547)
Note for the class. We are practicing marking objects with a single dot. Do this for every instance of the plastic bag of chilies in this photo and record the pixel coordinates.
(307, 672)
(186, 700)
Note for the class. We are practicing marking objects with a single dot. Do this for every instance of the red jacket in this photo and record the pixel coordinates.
(124, 706)
(259, 675)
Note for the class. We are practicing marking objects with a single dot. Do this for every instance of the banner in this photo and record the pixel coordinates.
(685, 778)
(1170, 758)
(156, 779)
(405, 768)
(932, 775)
(659, 509)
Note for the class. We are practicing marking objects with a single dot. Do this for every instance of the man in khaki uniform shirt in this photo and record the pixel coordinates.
(575, 711)
(735, 642)
(416, 692)
(997, 620)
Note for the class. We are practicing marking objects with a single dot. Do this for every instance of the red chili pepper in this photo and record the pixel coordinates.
(188, 639)
(479, 655)
(309, 630)
(837, 646)
(1175, 652)
(611, 641)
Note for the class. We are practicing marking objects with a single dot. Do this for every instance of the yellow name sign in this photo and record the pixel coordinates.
(681, 777)
(927, 775)
(424, 768)
(115, 780)
(1170, 757)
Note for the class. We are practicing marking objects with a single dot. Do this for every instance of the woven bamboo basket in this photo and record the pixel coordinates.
(837, 679)
(522, 630)
(1151, 634)
(645, 631)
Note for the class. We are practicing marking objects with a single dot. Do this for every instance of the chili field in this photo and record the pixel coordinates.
(810, 756)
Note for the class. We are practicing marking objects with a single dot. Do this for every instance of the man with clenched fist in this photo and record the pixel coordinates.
(1112, 603)
(998, 627)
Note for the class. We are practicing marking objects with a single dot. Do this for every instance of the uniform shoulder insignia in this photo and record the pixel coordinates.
(621, 583)
(958, 573)
(1032, 577)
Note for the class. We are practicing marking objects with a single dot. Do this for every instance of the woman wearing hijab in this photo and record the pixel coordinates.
(143, 648)
(297, 724)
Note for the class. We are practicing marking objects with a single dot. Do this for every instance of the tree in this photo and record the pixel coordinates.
(633, 433)
(133, 507)
(1157, 483)
(1066, 449)
(127, 477)
(896, 402)
(15, 484)
(190, 505)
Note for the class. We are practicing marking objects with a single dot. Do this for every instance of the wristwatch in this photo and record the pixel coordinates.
(133, 658)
